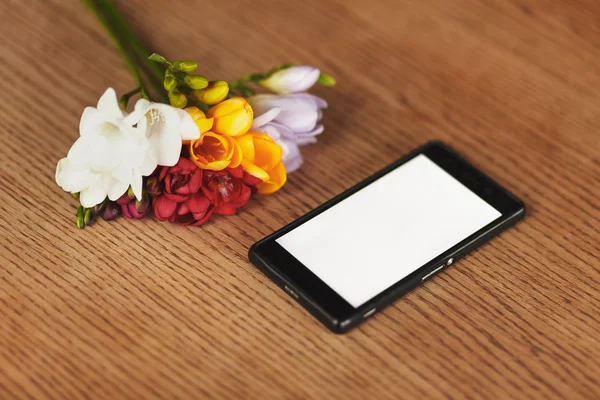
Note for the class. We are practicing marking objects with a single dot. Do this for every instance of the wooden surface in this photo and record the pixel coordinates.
(142, 309)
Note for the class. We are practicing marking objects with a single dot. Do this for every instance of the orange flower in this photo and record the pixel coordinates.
(215, 152)
(232, 117)
(262, 159)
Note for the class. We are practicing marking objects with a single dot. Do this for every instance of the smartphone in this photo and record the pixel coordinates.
(347, 259)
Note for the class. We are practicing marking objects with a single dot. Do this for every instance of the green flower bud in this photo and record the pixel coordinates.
(169, 83)
(177, 99)
(185, 66)
(80, 218)
(326, 80)
(196, 81)
(88, 216)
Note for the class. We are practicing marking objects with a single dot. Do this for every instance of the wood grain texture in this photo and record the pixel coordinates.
(142, 309)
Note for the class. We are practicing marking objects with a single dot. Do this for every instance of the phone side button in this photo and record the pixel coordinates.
(290, 291)
(433, 272)
(369, 313)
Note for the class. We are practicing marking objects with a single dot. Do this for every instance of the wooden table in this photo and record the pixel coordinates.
(142, 309)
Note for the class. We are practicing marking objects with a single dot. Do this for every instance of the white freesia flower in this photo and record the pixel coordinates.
(295, 79)
(115, 150)
(165, 127)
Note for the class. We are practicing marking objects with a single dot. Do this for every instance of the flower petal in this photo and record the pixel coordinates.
(316, 100)
(266, 117)
(292, 159)
(163, 134)
(137, 184)
(277, 178)
(163, 207)
(94, 194)
(188, 128)
(309, 137)
(72, 177)
(114, 188)
(91, 121)
(148, 165)
(109, 105)
(267, 153)
(254, 170)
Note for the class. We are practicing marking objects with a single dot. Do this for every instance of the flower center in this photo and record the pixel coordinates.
(223, 185)
(155, 116)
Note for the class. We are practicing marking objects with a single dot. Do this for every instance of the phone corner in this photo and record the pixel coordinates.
(338, 328)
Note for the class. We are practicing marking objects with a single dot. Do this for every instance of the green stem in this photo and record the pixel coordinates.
(138, 48)
(125, 98)
(127, 58)
(246, 78)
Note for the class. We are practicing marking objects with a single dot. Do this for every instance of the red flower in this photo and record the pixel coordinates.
(181, 180)
(181, 200)
(226, 190)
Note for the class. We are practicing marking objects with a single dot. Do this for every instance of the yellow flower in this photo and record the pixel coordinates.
(215, 152)
(213, 94)
(232, 117)
(262, 159)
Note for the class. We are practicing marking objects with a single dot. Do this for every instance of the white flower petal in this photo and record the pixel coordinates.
(136, 185)
(188, 128)
(141, 108)
(92, 122)
(163, 133)
(109, 105)
(94, 194)
(123, 173)
(60, 166)
(113, 187)
(71, 177)
(169, 148)
(148, 165)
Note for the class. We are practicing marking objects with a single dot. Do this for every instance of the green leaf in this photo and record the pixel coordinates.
(158, 58)
(326, 80)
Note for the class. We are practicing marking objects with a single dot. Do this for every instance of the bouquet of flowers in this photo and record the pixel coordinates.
(188, 148)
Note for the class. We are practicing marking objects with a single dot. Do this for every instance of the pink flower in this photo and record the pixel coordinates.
(133, 208)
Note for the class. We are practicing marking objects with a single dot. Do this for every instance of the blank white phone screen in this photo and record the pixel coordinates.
(390, 228)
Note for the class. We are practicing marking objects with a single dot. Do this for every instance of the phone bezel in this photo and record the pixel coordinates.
(328, 306)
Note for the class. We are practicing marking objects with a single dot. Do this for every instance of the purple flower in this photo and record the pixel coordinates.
(290, 120)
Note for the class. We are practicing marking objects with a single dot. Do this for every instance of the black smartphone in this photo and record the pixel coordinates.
(358, 252)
